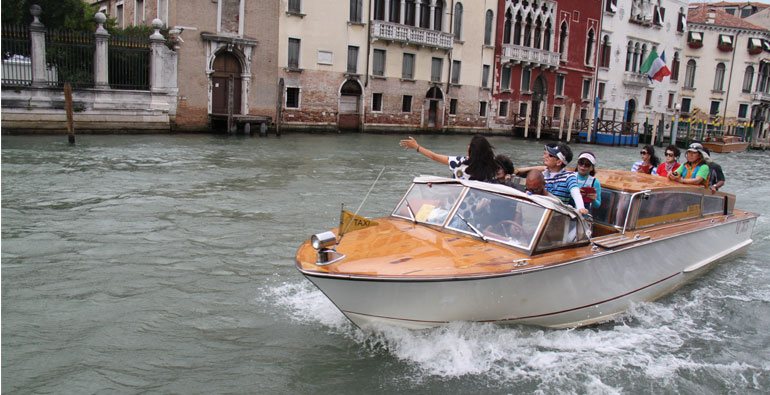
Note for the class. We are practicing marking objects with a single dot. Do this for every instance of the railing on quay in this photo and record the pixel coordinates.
(17, 66)
(69, 58)
(129, 62)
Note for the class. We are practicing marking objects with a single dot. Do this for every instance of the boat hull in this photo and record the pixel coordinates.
(726, 147)
(576, 293)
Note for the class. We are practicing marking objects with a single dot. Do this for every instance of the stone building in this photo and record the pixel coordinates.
(545, 60)
(726, 68)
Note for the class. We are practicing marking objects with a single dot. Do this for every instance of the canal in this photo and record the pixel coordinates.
(165, 264)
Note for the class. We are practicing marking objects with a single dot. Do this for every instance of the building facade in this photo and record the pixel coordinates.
(727, 70)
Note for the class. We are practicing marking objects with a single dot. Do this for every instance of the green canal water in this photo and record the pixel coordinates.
(165, 264)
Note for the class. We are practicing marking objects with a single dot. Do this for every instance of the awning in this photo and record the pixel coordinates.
(755, 42)
(766, 45)
(725, 40)
(696, 36)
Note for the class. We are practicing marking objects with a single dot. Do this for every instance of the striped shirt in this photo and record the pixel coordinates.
(560, 184)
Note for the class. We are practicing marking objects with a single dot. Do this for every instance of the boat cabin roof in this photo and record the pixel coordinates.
(626, 181)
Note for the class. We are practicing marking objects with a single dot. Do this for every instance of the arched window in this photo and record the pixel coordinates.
(637, 51)
(458, 23)
(748, 78)
(675, 67)
(527, 32)
(395, 11)
(563, 39)
(547, 36)
(538, 32)
(689, 74)
(410, 14)
(605, 53)
(517, 30)
(507, 27)
(424, 15)
(719, 77)
(590, 48)
(438, 17)
(488, 28)
(629, 56)
(643, 56)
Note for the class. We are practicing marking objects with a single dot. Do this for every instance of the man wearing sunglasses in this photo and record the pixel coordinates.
(559, 182)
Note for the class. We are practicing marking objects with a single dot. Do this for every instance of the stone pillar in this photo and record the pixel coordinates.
(432, 15)
(37, 47)
(417, 13)
(403, 12)
(157, 42)
(386, 16)
(101, 72)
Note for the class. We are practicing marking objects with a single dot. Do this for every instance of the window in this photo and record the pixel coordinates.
(356, 10)
(138, 12)
(458, 22)
(670, 101)
(714, 110)
(658, 15)
(526, 77)
(503, 110)
(456, 71)
(294, 53)
(606, 52)
(695, 37)
(590, 48)
(452, 106)
(488, 27)
(600, 94)
(424, 15)
(748, 79)
(295, 6)
(686, 104)
(725, 41)
(648, 97)
(378, 68)
(689, 74)
(583, 113)
(730, 11)
(563, 41)
(681, 24)
(755, 44)
(556, 112)
(438, 15)
(410, 18)
(485, 76)
(746, 12)
(612, 6)
(163, 11)
(522, 109)
(119, 15)
(559, 85)
(352, 59)
(743, 109)
(629, 55)
(586, 89)
(407, 67)
(406, 104)
(292, 97)
(435, 69)
(719, 77)
(376, 102)
(675, 67)
(482, 109)
(505, 79)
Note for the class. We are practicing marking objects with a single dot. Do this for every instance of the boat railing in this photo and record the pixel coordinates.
(645, 195)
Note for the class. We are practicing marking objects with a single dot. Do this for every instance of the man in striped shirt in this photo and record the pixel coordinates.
(559, 182)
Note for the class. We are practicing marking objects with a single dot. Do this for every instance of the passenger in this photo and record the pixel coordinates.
(696, 170)
(478, 165)
(716, 176)
(559, 182)
(590, 188)
(536, 184)
(505, 171)
(671, 163)
(648, 163)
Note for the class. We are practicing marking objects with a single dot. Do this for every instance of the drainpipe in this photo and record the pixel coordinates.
(599, 47)
(730, 80)
(368, 41)
(449, 56)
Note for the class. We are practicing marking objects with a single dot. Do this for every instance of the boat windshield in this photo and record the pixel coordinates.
(429, 203)
(505, 219)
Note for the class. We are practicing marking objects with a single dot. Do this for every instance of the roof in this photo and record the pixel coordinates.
(760, 6)
(698, 13)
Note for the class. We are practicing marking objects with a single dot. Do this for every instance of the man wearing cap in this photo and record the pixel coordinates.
(696, 170)
(716, 176)
(559, 182)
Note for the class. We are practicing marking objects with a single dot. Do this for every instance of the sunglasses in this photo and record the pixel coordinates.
(644, 153)
(584, 163)
(535, 191)
(669, 154)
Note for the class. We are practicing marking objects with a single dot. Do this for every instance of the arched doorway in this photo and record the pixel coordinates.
(539, 94)
(434, 97)
(349, 104)
(631, 111)
(227, 68)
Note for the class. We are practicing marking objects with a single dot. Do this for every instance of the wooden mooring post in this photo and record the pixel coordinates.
(68, 110)
(230, 95)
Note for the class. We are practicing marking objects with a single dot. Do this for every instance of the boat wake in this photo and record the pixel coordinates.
(657, 342)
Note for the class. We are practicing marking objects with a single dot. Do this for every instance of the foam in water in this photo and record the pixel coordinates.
(644, 343)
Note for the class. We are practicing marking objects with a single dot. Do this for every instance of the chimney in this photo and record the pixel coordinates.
(711, 15)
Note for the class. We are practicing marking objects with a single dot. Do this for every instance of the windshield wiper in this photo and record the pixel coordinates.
(473, 228)
(411, 212)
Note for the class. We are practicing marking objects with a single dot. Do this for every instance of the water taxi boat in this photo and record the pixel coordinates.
(725, 144)
(455, 250)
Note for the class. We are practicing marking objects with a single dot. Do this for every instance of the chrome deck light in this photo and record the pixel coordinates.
(322, 243)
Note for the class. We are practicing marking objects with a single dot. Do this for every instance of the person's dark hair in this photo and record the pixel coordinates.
(481, 159)
(593, 166)
(505, 163)
(675, 150)
(654, 160)
(567, 151)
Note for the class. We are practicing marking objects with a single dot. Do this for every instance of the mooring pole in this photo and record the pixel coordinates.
(230, 95)
(68, 110)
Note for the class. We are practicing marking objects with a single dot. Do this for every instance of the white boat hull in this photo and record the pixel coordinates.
(576, 293)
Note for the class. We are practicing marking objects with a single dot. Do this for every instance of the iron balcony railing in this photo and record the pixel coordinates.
(390, 31)
(530, 56)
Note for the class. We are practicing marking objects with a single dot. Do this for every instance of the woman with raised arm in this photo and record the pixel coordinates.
(479, 164)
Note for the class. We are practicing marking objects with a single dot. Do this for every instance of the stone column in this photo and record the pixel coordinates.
(431, 23)
(417, 13)
(37, 47)
(386, 16)
(101, 72)
(403, 12)
(157, 42)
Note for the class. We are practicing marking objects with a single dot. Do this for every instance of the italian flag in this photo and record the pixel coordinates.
(655, 66)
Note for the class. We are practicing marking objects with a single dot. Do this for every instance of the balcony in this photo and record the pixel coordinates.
(406, 34)
(633, 78)
(762, 97)
(530, 56)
